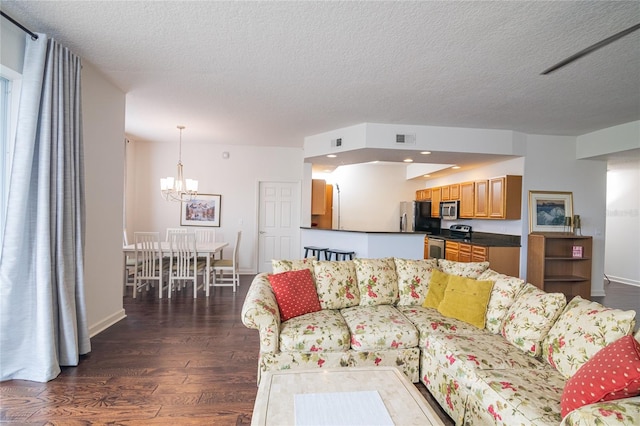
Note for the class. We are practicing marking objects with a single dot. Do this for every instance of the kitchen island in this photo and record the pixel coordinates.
(366, 244)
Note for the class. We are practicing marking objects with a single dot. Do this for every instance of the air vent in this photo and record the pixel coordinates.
(406, 139)
(336, 143)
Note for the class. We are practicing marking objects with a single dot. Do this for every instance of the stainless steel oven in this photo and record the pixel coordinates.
(435, 247)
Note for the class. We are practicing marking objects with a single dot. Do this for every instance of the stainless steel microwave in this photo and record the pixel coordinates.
(449, 210)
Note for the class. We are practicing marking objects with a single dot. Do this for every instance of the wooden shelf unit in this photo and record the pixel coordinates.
(551, 266)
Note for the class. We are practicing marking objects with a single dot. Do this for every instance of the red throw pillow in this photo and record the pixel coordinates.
(612, 373)
(295, 293)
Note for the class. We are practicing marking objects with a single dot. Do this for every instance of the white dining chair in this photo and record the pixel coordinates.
(148, 261)
(205, 235)
(226, 271)
(183, 264)
(129, 264)
(176, 230)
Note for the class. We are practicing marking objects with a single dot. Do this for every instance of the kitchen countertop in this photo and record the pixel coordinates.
(477, 238)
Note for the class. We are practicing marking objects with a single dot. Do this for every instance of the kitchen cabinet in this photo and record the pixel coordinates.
(436, 196)
(318, 196)
(325, 221)
(464, 252)
(505, 260)
(454, 191)
(451, 250)
(467, 195)
(445, 193)
(481, 199)
(423, 194)
(505, 197)
(426, 247)
(552, 267)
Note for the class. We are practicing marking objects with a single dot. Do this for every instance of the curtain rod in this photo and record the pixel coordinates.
(33, 35)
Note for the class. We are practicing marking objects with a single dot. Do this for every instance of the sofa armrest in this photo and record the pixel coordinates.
(260, 311)
(619, 412)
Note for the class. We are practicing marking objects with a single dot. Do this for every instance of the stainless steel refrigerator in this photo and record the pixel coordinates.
(415, 216)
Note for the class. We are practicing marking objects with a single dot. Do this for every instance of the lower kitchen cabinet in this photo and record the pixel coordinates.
(505, 260)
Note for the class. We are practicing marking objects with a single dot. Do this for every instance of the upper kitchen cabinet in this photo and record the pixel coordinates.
(454, 191)
(318, 198)
(423, 194)
(505, 197)
(481, 199)
(467, 195)
(436, 196)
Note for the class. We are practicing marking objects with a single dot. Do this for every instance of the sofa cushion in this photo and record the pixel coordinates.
(620, 412)
(379, 327)
(413, 280)
(583, 329)
(612, 373)
(466, 299)
(295, 293)
(337, 284)
(429, 320)
(530, 317)
(504, 292)
(515, 397)
(284, 265)
(322, 331)
(377, 281)
(437, 286)
(463, 269)
(464, 354)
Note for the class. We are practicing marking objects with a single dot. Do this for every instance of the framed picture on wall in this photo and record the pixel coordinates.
(204, 210)
(548, 210)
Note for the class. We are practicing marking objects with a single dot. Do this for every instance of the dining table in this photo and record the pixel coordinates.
(205, 250)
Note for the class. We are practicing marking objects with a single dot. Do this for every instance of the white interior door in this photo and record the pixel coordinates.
(278, 223)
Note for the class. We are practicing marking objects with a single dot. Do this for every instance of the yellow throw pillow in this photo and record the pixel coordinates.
(437, 286)
(466, 299)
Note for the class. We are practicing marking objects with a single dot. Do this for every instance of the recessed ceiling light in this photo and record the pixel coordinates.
(455, 167)
(425, 152)
(408, 160)
(426, 175)
(331, 156)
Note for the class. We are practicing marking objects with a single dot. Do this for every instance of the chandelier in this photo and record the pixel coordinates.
(179, 188)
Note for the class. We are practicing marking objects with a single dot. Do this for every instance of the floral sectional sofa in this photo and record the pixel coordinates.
(490, 348)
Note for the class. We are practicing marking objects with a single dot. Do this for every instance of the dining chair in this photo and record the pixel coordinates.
(183, 264)
(148, 261)
(129, 264)
(226, 271)
(175, 230)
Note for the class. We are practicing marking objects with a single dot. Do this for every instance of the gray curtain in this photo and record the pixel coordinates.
(42, 310)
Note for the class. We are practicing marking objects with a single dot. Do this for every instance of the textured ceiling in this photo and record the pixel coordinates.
(271, 73)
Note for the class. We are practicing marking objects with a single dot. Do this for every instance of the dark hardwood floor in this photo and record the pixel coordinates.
(180, 361)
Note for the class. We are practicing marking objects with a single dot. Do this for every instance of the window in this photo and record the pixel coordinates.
(9, 97)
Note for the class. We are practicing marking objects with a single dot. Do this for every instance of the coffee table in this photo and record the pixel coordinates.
(275, 399)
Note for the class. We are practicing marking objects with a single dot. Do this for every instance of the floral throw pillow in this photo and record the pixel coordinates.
(530, 317)
(463, 269)
(377, 281)
(583, 329)
(504, 292)
(337, 284)
(413, 280)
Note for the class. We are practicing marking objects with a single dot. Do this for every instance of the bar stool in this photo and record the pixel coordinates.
(316, 251)
(340, 254)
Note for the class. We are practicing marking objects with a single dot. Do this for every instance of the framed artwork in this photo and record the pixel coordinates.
(204, 210)
(548, 210)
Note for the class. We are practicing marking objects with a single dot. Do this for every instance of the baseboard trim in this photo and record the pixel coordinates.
(621, 280)
(107, 322)
(599, 293)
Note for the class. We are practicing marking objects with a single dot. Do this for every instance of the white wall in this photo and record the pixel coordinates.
(622, 244)
(103, 108)
(370, 195)
(551, 165)
(235, 179)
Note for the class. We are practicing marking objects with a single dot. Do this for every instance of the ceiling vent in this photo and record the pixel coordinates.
(336, 143)
(406, 139)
